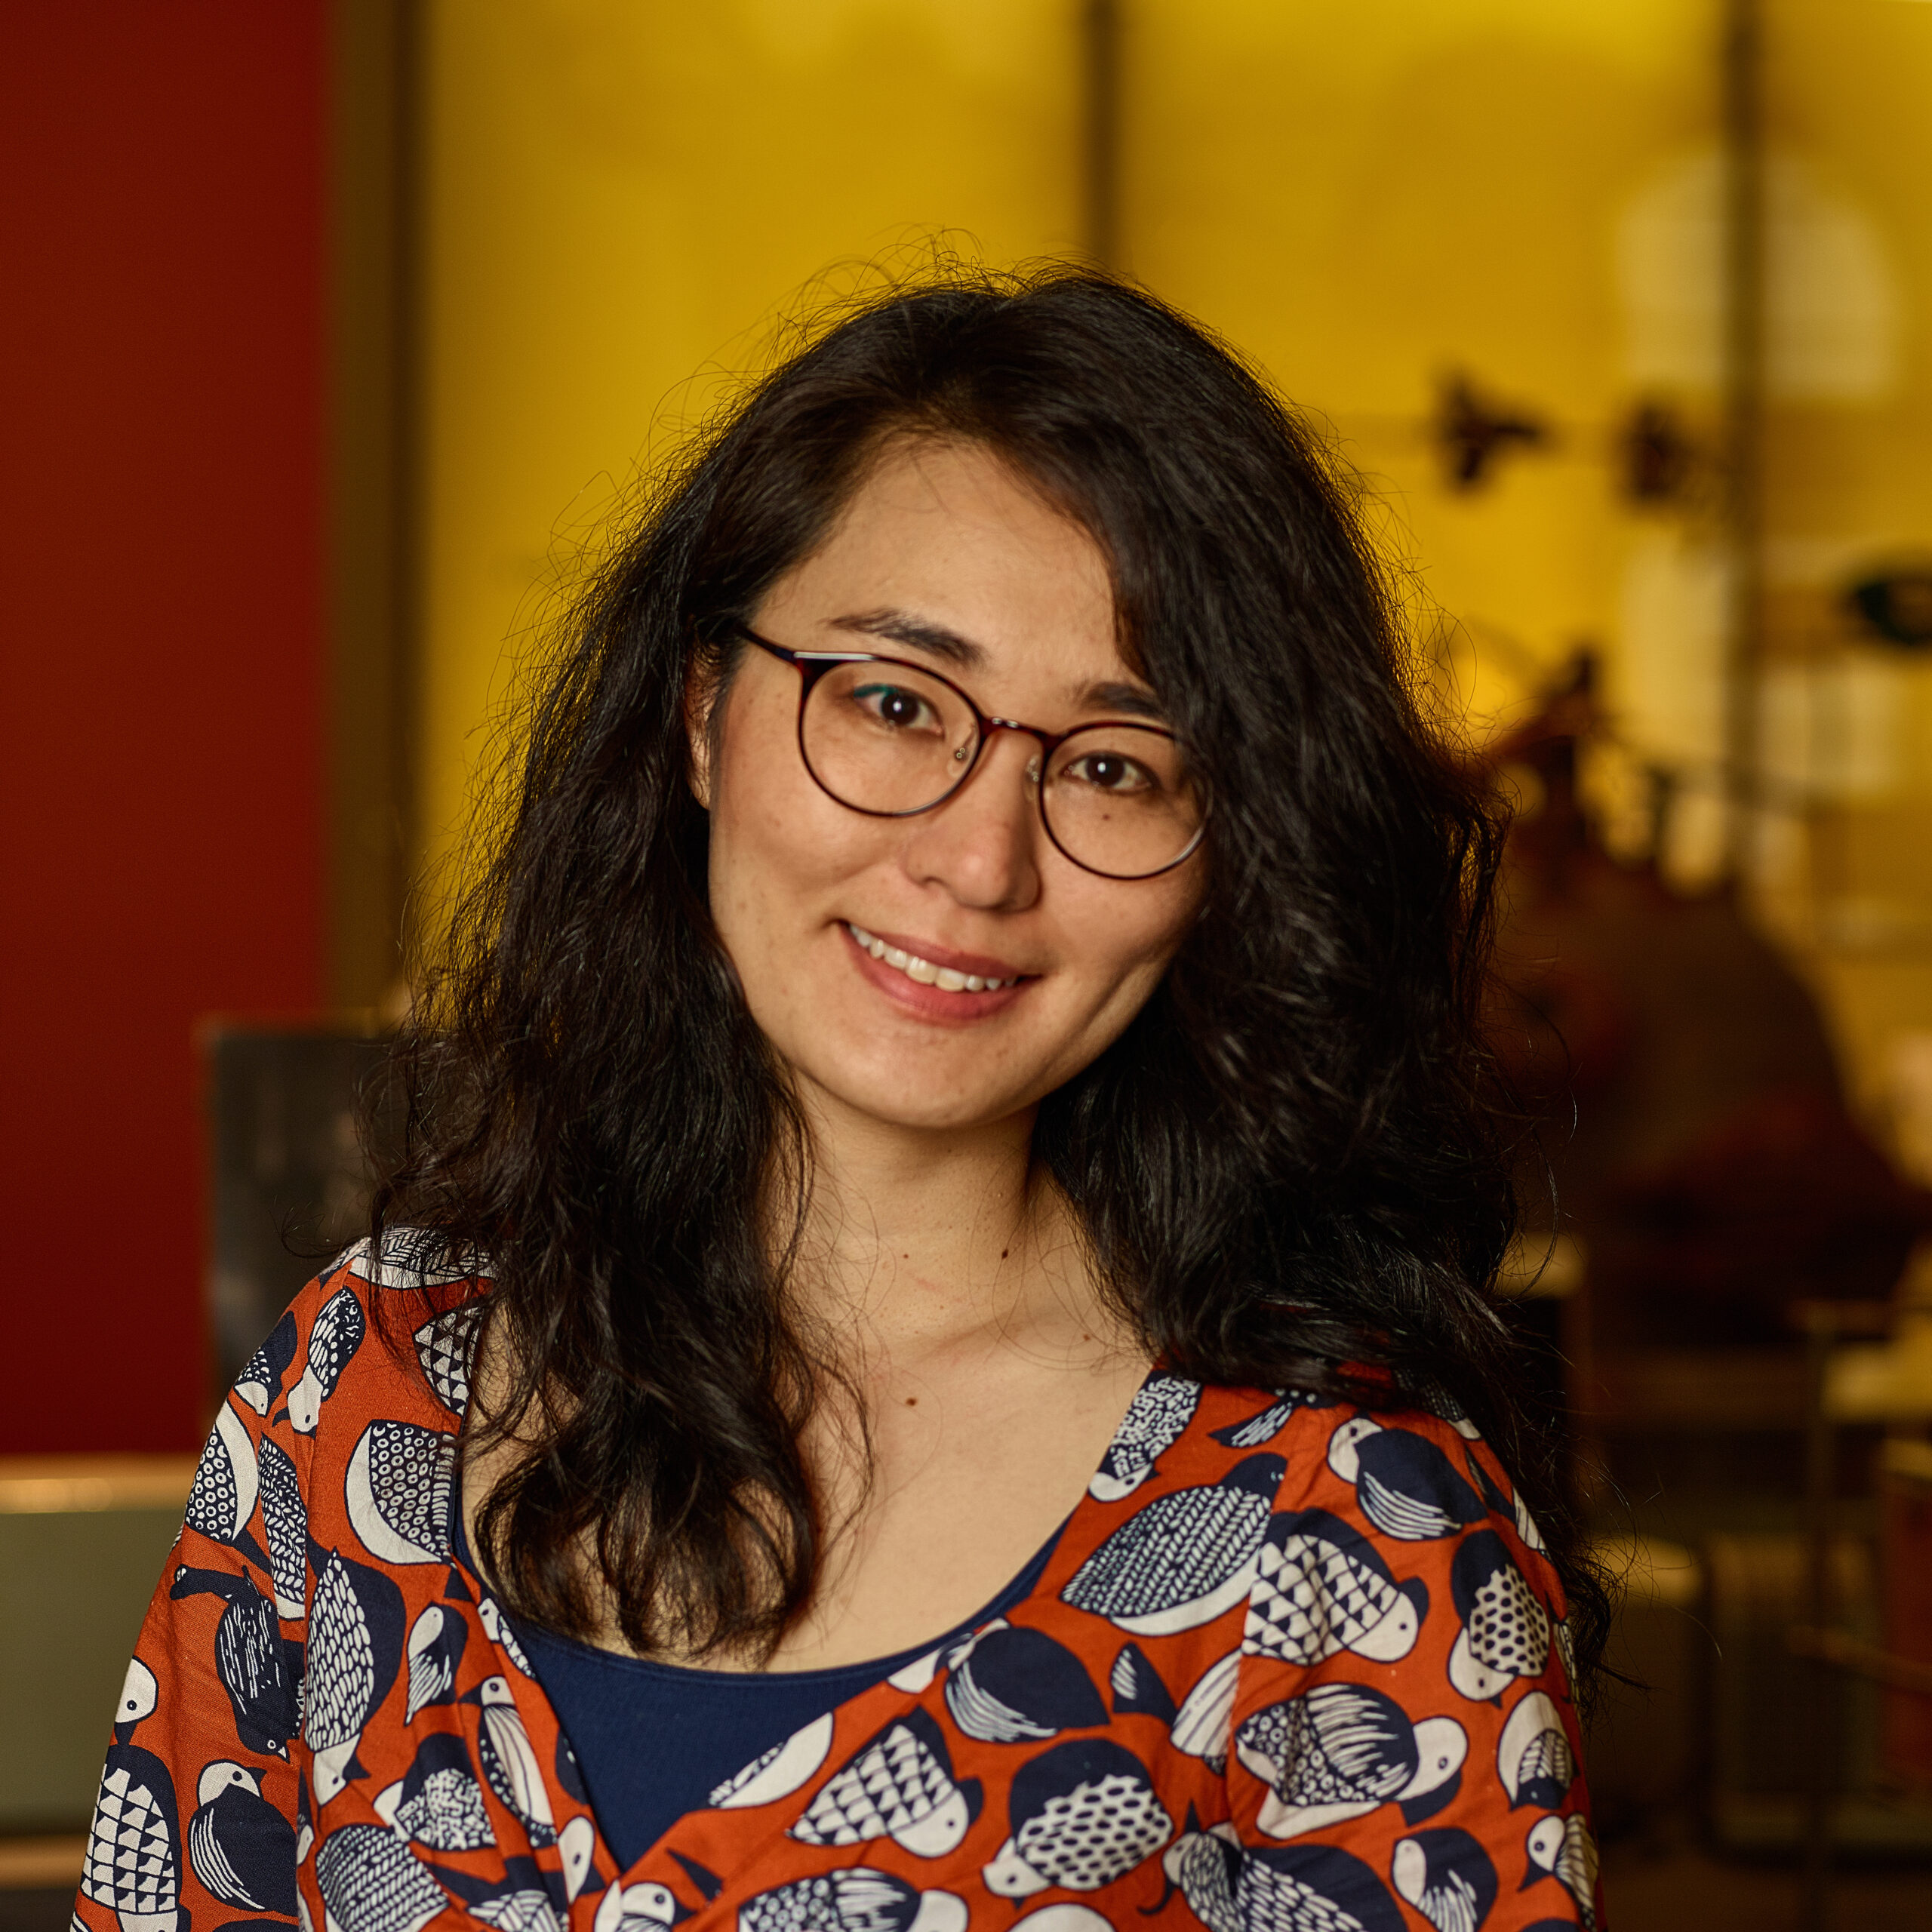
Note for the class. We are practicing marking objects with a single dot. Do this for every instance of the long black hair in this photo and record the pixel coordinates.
(1286, 1168)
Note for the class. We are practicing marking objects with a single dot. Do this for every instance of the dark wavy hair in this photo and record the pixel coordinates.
(1287, 1169)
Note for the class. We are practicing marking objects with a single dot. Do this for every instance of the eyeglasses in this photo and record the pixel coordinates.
(893, 739)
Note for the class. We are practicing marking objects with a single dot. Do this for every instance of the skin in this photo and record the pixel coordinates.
(947, 1279)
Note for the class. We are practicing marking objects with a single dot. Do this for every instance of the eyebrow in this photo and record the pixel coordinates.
(920, 632)
(902, 627)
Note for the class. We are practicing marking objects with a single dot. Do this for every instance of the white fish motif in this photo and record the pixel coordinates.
(1447, 1876)
(1081, 1815)
(436, 1640)
(400, 1490)
(1505, 1630)
(1533, 1758)
(643, 1907)
(901, 1786)
(410, 1258)
(1340, 1751)
(339, 1327)
(1162, 1409)
(1184, 1558)
(779, 1772)
(1563, 1848)
(1322, 1588)
(509, 1759)
(446, 1346)
(285, 1518)
(371, 1881)
(853, 1900)
(223, 1497)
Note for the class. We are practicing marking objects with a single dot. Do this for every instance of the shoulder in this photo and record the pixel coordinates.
(387, 1332)
(1344, 1530)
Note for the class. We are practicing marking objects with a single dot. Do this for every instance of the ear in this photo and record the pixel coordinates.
(701, 695)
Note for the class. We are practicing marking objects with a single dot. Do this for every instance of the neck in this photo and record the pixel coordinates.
(929, 1238)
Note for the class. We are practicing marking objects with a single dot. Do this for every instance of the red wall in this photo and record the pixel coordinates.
(160, 352)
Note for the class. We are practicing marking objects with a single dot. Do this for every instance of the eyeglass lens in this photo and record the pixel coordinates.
(888, 738)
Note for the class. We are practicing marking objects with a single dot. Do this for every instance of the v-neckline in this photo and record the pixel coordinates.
(900, 1689)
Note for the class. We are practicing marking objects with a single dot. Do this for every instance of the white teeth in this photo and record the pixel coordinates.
(945, 977)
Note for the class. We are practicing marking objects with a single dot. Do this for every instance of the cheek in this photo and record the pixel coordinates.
(1121, 948)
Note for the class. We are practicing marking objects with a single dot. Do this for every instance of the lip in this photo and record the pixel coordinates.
(982, 964)
(931, 1003)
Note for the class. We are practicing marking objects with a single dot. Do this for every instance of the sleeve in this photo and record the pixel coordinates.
(1405, 1745)
(201, 1796)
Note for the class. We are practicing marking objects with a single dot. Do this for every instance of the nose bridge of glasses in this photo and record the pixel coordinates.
(1041, 741)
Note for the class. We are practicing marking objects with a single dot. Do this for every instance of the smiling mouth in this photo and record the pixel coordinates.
(923, 970)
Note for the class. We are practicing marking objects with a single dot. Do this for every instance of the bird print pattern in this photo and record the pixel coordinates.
(1292, 1666)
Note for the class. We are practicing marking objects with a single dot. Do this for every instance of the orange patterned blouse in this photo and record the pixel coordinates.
(1291, 1668)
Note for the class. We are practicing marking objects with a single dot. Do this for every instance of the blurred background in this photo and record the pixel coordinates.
(337, 331)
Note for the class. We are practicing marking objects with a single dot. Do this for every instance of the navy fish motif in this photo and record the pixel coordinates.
(1009, 1686)
(899, 1786)
(1340, 1751)
(371, 1881)
(1155, 1420)
(1080, 1815)
(260, 1380)
(241, 1848)
(1288, 1888)
(1322, 1588)
(1505, 1630)
(1184, 1558)
(400, 1491)
(1447, 1876)
(1404, 1484)
(251, 1658)
(1267, 1424)
(339, 1327)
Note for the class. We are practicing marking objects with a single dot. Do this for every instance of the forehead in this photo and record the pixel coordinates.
(950, 531)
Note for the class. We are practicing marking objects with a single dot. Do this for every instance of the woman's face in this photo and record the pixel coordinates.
(945, 559)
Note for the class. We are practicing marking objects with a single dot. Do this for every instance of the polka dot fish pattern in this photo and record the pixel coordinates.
(1289, 1665)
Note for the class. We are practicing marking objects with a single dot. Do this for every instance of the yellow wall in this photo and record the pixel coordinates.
(620, 194)
(1366, 196)
(1361, 195)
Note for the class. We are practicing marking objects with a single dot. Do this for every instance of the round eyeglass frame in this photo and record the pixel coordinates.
(811, 665)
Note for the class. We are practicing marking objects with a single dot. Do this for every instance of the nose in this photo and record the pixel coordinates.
(983, 844)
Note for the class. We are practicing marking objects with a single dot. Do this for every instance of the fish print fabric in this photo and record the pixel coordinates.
(1292, 1668)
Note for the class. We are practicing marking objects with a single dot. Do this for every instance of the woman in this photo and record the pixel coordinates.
(928, 1364)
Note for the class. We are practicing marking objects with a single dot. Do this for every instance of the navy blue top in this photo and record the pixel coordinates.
(653, 1740)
